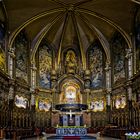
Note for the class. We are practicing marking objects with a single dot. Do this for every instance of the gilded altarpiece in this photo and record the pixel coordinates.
(22, 55)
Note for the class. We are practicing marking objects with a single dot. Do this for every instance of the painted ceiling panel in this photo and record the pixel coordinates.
(36, 26)
(117, 11)
(20, 11)
(55, 33)
(70, 33)
(86, 34)
(106, 29)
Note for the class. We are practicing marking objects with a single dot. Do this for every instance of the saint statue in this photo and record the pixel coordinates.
(70, 61)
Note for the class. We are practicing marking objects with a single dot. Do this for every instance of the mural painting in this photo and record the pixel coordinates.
(97, 105)
(2, 59)
(137, 39)
(45, 66)
(2, 31)
(119, 101)
(118, 58)
(2, 52)
(43, 104)
(21, 101)
(21, 46)
(95, 62)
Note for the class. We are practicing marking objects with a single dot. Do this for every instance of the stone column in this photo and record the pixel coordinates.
(53, 85)
(130, 107)
(32, 109)
(129, 86)
(108, 91)
(33, 92)
(33, 76)
(130, 62)
(11, 103)
(87, 85)
(11, 56)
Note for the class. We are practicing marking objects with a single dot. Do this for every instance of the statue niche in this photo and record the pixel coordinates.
(70, 62)
(70, 93)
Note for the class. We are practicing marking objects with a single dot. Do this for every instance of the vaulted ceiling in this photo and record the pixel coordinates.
(67, 23)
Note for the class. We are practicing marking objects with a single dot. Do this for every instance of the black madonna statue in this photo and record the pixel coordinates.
(70, 62)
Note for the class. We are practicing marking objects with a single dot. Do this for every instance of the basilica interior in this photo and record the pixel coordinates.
(69, 63)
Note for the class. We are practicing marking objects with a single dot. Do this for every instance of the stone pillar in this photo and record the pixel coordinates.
(11, 103)
(33, 92)
(108, 91)
(87, 86)
(130, 107)
(32, 108)
(11, 56)
(53, 85)
(108, 106)
(130, 62)
(129, 86)
(33, 76)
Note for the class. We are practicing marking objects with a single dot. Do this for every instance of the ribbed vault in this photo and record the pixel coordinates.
(76, 23)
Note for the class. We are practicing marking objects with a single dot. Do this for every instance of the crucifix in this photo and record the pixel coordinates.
(70, 115)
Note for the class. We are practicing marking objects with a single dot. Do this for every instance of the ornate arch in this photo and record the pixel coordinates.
(70, 93)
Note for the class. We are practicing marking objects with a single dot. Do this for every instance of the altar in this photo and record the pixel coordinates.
(71, 114)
